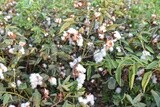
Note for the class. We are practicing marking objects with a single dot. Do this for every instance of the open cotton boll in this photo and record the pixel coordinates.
(72, 31)
(103, 51)
(72, 64)
(90, 99)
(97, 56)
(82, 100)
(145, 54)
(81, 78)
(53, 81)
(154, 79)
(79, 86)
(27, 104)
(11, 50)
(140, 72)
(11, 106)
(97, 14)
(35, 80)
(117, 35)
(118, 90)
(80, 68)
(19, 82)
(3, 68)
(80, 41)
(21, 50)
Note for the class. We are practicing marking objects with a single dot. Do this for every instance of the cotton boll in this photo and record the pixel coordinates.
(97, 14)
(27, 104)
(118, 49)
(11, 106)
(97, 56)
(80, 41)
(103, 51)
(53, 81)
(139, 78)
(81, 78)
(35, 80)
(21, 50)
(140, 72)
(13, 84)
(154, 79)
(3, 68)
(79, 86)
(11, 50)
(19, 82)
(145, 54)
(101, 36)
(82, 100)
(117, 35)
(72, 31)
(1, 75)
(72, 64)
(118, 90)
(90, 99)
(80, 68)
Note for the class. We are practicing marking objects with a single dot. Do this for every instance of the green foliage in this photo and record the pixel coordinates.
(114, 42)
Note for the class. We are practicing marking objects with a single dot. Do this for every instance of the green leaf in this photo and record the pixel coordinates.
(36, 98)
(23, 86)
(129, 98)
(66, 80)
(149, 49)
(156, 97)
(132, 74)
(145, 80)
(89, 72)
(139, 105)
(138, 98)
(66, 104)
(118, 72)
(152, 65)
(96, 76)
(67, 23)
(5, 99)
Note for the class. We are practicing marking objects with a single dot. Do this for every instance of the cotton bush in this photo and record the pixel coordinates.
(89, 53)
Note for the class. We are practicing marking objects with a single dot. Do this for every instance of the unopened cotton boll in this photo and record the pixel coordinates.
(53, 81)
